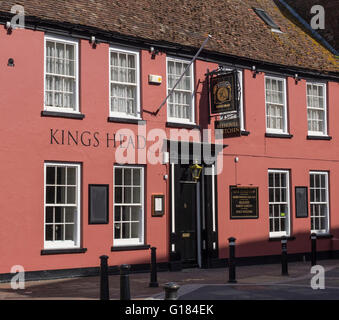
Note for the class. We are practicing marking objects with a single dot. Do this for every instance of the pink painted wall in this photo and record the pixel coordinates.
(25, 146)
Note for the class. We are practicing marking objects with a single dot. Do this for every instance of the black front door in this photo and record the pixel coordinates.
(186, 222)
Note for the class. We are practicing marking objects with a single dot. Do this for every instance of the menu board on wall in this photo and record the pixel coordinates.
(301, 202)
(98, 204)
(244, 202)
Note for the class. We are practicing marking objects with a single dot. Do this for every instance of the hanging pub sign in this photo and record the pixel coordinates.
(244, 202)
(224, 93)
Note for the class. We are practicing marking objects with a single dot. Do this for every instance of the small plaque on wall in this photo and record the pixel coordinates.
(301, 202)
(98, 204)
(158, 205)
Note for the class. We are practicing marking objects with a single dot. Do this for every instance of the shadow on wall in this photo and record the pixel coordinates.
(265, 250)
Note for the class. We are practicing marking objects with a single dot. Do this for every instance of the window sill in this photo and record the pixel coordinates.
(290, 238)
(126, 120)
(56, 114)
(244, 133)
(182, 125)
(279, 135)
(131, 248)
(324, 236)
(62, 251)
(319, 138)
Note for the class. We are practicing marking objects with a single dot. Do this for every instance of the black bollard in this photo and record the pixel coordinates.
(231, 261)
(104, 285)
(284, 265)
(154, 282)
(171, 291)
(125, 293)
(313, 249)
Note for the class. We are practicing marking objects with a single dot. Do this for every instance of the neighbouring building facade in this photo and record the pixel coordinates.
(93, 162)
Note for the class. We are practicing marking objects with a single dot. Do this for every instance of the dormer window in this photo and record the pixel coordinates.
(267, 19)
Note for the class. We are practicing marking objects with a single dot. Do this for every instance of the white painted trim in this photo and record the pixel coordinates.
(64, 244)
(203, 198)
(213, 198)
(137, 76)
(74, 42)
(173, 203)
(198, 224)
(178, 120)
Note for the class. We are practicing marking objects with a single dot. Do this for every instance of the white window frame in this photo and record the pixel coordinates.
(288, 220)
(327, 230)
(285, 129)
(241, 107)
(76, 55)
(123, 115)
(132, 241)
(318, 133)
(178, 120)
(61, 244)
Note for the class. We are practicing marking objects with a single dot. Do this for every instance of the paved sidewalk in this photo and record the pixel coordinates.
(254, 282)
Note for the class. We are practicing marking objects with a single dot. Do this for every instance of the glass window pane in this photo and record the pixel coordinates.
(283, 224)
(50, 194)
(49, 232)
(71, 195)
(127, 177)
(117, 230)
(131, 61)
(134, 230)
(136, 195)
(135, 213)
(117, 213)
(61, 195)
(114, 59)
(69, 232)
(125, 230)
(118, 176)
(59, 232)
(127, 195)
(71, 176)
(70, 214)
(50, 175)
(270, 180)
(118, 194)
(49, 214)
(276, 225)
(59, 214)
(126, 214)
(61, 175)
